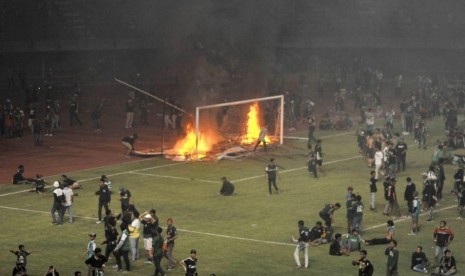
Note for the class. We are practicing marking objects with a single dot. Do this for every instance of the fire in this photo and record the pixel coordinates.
(186, 146)
(253, 126)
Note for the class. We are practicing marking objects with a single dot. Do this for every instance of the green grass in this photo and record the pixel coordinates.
(248, 234)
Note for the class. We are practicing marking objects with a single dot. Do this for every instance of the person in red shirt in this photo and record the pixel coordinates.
(442, 237)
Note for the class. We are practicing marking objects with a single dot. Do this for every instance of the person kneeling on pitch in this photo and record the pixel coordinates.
(227, 189)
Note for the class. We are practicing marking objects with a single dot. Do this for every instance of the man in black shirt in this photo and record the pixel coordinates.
(401, 152)
(128, 142)
(18, 177)
(97, 262)
(365, 268)
(327, 212)
(408, 194)
(103, 200)
(125, 198)
(271, 171)
(227, 189)
(304, 238)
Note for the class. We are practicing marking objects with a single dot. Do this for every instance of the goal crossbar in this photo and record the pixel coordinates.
(281, 115)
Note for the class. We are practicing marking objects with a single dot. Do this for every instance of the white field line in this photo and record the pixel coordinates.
(95, 178)
(225, 236)
(300, 168)
(175, 177)
(322, 137)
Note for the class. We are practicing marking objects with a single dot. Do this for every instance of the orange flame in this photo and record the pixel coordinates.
(186, 146)
(253, 126)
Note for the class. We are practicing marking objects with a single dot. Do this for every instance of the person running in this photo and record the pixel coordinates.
(190, 264)
(271, 171)
(304, 238)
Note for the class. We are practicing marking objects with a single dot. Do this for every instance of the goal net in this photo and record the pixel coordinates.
(239, 122)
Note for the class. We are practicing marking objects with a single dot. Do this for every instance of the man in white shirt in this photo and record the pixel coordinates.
(379, 160)
(68, 203)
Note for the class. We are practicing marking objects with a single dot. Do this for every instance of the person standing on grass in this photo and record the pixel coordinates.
(318, 150)
(410, 189)
(122, 249)
(111, 239)
(327, 213)
(104, 198)
(21, 256)
(373, 190)
(442, 237)
(91, 245)
(393, 259)
(134, 234)
(149, 223)
(271, 171)
(157, 252)
(416, 209)
(379, 161)
(125, 198)
(58, 199)
(68, 203)
(96, 263)
(365, 267)
(311, 129)
(128, 142)
(171, 235)
(190, 264)
(304, 239)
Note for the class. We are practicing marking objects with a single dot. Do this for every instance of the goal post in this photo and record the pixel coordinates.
(279, 128)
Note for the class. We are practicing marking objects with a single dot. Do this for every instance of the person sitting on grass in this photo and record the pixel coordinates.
(354, 241)
(18, 177)
(227, 189)
(419, 261)
(324, 236)
(447, 265)
(389, 235)
(73, 184)
(336, 249)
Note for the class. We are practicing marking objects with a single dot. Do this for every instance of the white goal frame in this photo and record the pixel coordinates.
(281, 115)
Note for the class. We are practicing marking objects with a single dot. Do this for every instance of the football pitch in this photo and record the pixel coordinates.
(246, 234)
